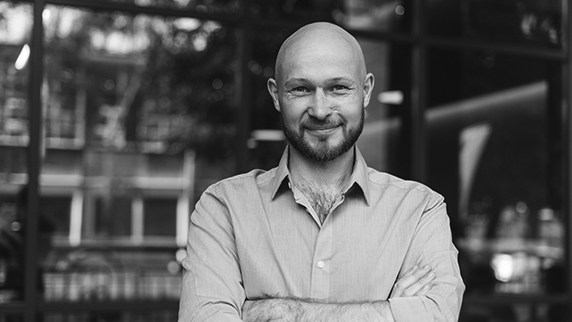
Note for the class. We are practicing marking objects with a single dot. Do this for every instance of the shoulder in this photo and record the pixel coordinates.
(242, 183)
(394, 186)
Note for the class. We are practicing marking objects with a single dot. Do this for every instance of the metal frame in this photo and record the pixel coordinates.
(567, 142)
(34, 164)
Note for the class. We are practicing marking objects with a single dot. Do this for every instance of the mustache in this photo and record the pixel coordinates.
(317, 124)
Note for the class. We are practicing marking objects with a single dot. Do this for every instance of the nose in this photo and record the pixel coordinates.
(321, 106)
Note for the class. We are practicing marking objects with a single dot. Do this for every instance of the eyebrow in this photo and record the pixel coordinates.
(329, 80)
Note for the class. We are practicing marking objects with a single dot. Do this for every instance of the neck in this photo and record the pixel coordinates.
(336, 172)
(321, 182)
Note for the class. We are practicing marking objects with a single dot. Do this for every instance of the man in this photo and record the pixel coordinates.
(322, 237)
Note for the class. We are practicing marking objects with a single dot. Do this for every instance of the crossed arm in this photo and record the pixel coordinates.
(416, 282)
(213, 288)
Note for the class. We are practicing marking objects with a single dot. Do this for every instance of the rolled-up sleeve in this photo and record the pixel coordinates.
(432, 245)
(212, 284)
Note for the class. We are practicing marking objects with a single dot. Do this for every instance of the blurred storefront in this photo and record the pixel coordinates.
(116, 115)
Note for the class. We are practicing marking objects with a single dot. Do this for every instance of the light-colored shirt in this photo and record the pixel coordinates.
(254, 236)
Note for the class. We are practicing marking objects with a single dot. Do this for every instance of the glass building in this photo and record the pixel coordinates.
(115, 115)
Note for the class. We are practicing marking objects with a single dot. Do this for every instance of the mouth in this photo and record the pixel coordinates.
(322, 130)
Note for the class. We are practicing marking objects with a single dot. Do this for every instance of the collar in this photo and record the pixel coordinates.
(358, 178)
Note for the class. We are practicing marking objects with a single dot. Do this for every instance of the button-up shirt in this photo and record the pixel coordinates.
(255, 236)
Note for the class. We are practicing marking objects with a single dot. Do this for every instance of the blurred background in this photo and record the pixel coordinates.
(115, 115)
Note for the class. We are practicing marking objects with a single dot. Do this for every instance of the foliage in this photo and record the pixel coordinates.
(158, 84)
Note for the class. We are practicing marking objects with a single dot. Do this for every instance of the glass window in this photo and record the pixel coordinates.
(380, 140)
(200, 6)
(494, 152)
(115, 272)
(515, 312)
(15, 31)
(11, 317)
(139, 120)
(160, 216)
(513, 22)
(142, 315)
(57, 209)
(266, 141)
(298, 10)
(375, 15)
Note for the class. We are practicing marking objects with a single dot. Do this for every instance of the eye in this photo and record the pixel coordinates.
(299, 90)
(339, 88)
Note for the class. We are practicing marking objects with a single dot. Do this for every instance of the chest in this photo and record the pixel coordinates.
(356, 254)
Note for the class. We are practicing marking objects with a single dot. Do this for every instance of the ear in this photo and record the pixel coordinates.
(273, 90)
(368, 88)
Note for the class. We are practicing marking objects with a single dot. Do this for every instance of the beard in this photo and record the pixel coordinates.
(323, 150)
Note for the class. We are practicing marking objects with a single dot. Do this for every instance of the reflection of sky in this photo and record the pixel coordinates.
(16, 24)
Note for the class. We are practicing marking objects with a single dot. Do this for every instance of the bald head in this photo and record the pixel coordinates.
(320, 38)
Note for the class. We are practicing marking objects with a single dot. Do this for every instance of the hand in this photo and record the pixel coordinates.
(415, 282)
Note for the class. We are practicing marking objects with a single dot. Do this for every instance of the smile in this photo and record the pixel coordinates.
(322, 130)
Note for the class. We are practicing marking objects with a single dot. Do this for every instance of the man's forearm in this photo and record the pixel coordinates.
(415, 282)
(302, 310)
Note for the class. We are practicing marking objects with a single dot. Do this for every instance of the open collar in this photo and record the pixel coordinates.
(358, 178)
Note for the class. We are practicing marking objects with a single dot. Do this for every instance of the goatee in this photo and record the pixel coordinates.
(323, 151)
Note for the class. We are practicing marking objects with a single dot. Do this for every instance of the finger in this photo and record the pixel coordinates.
(424, 290)
(420, 285)
(411, 271)
(416, 274)
(404, 282)
(412, 281)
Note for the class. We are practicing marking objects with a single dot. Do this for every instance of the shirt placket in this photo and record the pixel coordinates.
(321, 261)
(321, 264)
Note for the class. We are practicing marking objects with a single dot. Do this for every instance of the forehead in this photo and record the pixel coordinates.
(320, 56)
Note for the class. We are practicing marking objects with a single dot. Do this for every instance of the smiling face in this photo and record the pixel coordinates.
(321, 90)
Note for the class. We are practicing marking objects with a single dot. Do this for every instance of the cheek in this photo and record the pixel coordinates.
(353, 111)
(289, 120)
(292, 111)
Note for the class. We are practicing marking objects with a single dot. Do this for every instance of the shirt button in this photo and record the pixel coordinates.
(321, 264)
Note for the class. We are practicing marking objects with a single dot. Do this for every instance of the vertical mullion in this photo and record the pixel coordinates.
(243, 99)
(418, 96)
(34, 162)
(567, 141)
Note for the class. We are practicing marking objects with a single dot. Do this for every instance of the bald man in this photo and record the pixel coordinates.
(321, 237)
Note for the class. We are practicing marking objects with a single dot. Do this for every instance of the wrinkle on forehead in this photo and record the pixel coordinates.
(320, 34)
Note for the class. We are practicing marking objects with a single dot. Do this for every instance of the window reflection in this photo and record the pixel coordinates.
(514, 22)
(300, 10)
(514, 313)
(501, 139)
(266, 142)
(201, 6)
(145, 315)
(378, 15)
(15, 30)
(139, 120)
(382, 125)
(387, 15)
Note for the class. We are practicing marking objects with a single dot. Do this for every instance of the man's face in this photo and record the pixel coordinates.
(320, 93)
(322, 140)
